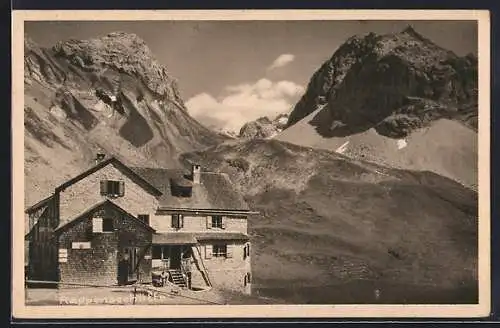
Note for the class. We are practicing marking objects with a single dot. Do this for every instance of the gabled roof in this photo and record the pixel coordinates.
(122, 167)
(214, 192)
(107, 202)
(41, 203)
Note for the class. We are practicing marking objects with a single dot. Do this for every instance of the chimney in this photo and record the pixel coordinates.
(196, 173)
(99, 158)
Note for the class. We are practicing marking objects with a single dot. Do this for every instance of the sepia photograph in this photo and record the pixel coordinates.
(244, 160)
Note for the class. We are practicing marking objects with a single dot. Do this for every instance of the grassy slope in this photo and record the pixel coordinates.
(328, 221)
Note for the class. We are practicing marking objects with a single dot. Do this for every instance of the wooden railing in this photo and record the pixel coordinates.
(185, 267)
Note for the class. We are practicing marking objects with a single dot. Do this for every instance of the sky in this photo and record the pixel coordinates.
(232, 72)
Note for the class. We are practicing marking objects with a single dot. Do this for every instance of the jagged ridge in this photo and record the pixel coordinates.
(263, 127)
(371, 79)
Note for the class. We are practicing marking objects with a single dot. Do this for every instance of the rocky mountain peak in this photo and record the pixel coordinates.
(373, 77)
(263, 127)
(123, 52)
(109, 94)
(29, 43)
(411, 31)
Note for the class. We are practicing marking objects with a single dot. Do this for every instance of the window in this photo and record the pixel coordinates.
(160, 252)
(144, 218)
(247, 279)
(219, 250)
(217, 221)
(112, 188)
(157, 252)
(246, 251)
(107, 225)
(177, 221)
(184, 191)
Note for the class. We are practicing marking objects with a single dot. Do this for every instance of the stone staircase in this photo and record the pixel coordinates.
(178, 278)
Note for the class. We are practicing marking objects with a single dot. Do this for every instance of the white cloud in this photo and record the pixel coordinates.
(245, 102)
(281, 61)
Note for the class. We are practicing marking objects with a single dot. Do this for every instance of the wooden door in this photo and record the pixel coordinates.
(131, 255)
(175, 257)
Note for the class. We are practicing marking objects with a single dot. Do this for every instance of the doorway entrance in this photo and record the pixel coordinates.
(175, 256)
(127, 265)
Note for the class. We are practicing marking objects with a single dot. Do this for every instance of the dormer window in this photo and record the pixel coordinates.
(181, 187)
(112, 188)
(185, 191)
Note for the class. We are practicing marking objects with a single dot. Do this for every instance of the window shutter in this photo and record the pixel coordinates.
(172, 219)
(208, 251)
(223, 222)
(229, 251)
(249, 278)
(209, 222)
(97, 225)
(121, 188)
(104, 187)
(248, 249)
(181, 221)
(176, 221)
(245, 252)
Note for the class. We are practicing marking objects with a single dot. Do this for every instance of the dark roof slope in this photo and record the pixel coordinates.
(214, 192)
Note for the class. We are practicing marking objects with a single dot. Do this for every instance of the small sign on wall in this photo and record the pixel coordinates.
(147, 257)
(80, 245)
(63, 255)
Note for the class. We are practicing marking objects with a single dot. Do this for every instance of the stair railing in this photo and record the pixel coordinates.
(201, 265)
(184, 270)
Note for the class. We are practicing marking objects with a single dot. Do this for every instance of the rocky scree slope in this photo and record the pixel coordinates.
(263, 127)
(107, 95)
(326, 219)
(379, 94)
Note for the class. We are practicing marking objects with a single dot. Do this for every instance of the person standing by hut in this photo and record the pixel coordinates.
(123, 267)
